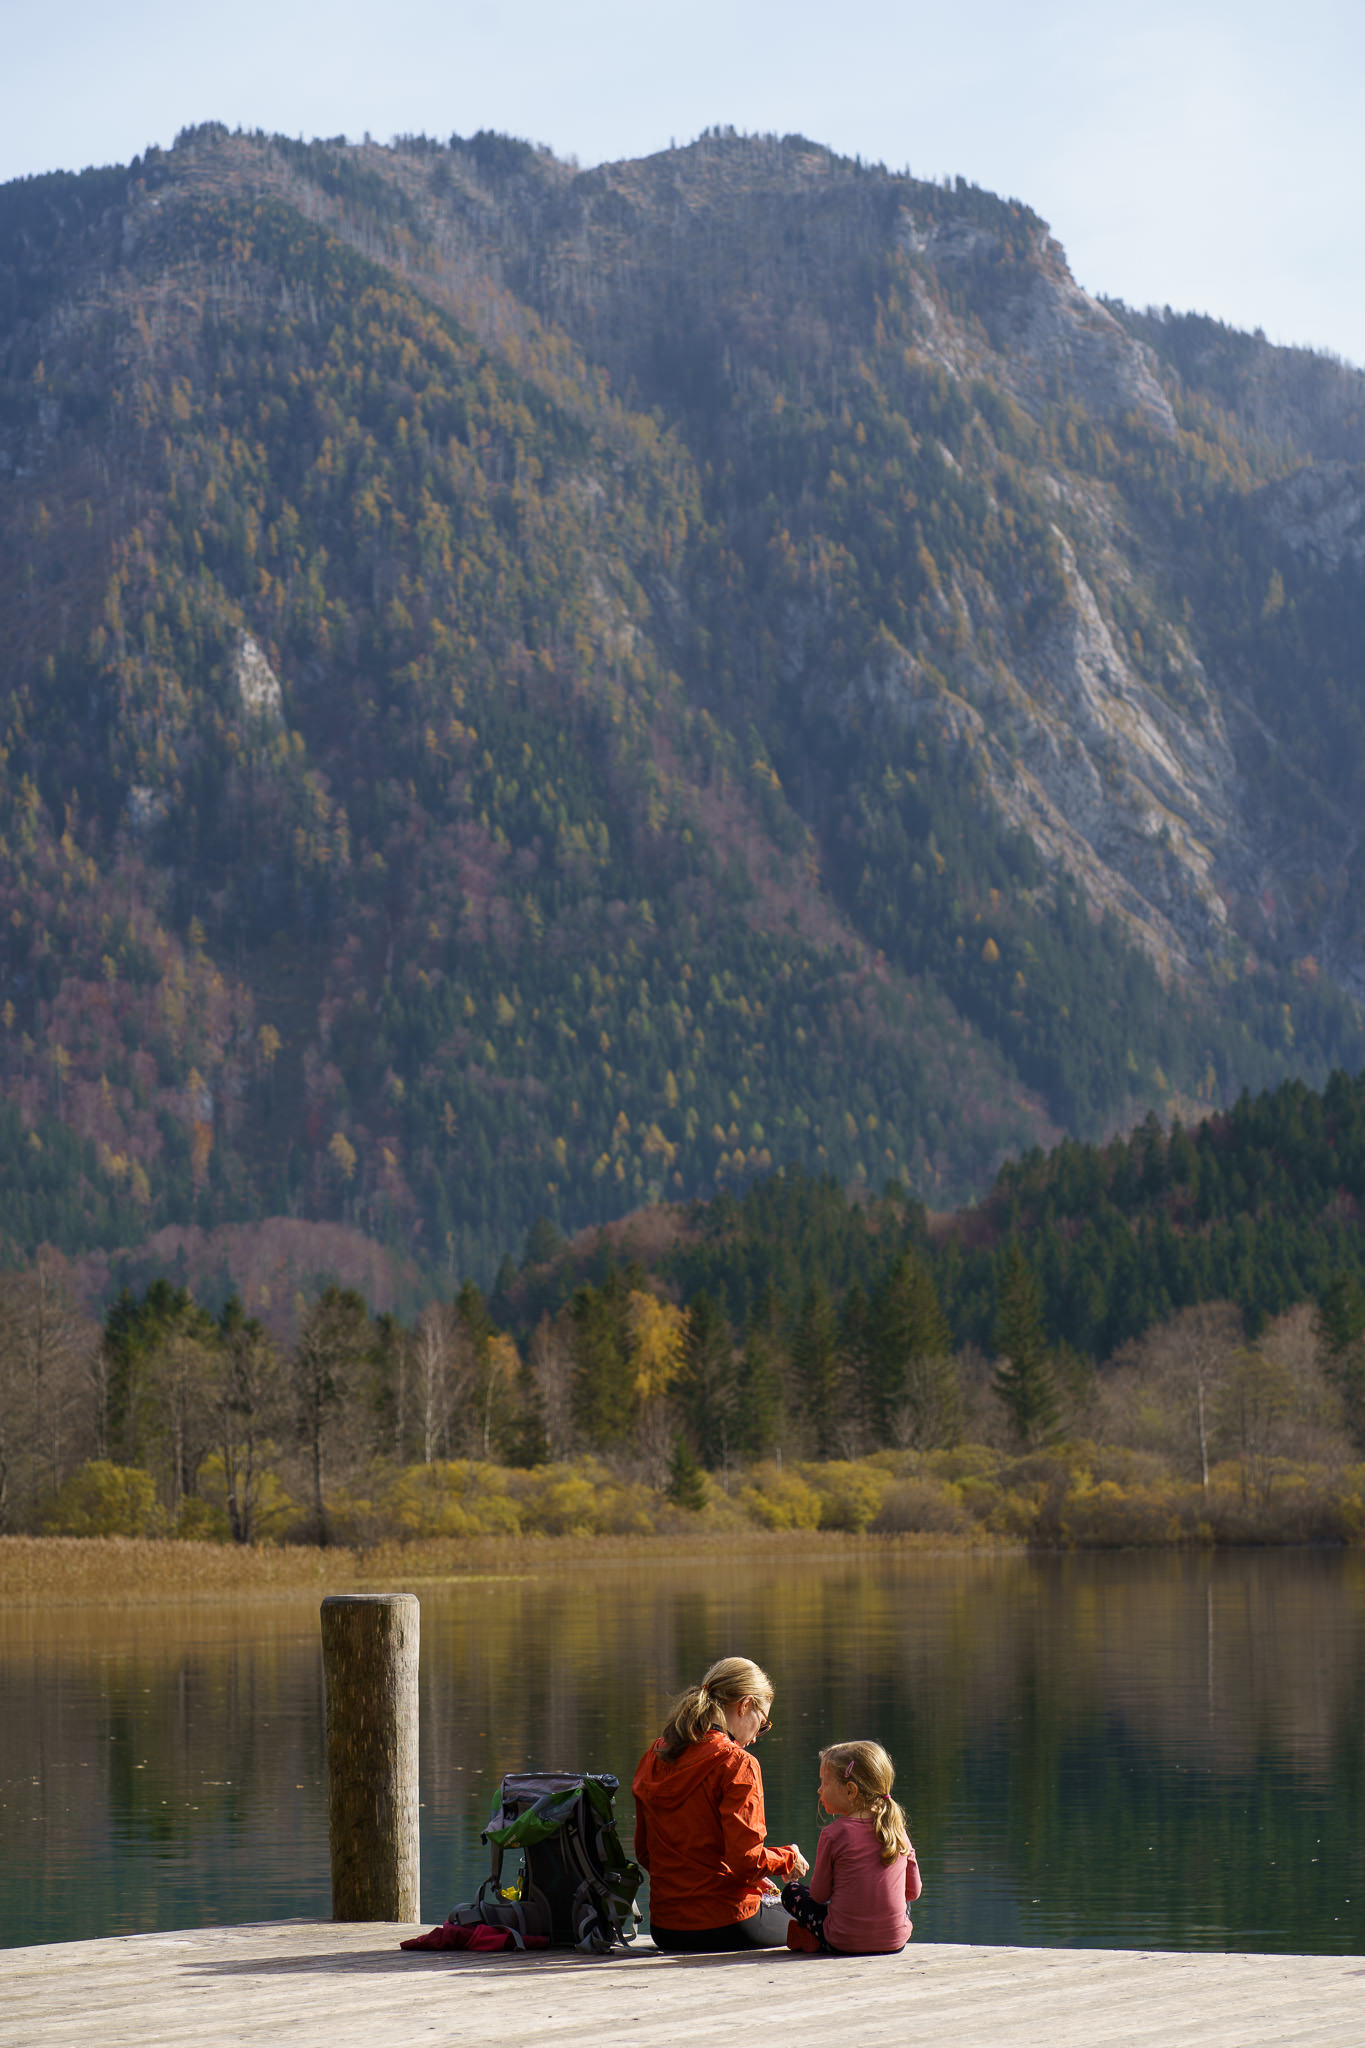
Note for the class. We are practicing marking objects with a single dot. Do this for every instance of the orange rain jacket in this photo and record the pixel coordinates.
(699, 1828)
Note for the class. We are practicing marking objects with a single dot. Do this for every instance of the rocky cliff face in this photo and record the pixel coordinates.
(755, 261)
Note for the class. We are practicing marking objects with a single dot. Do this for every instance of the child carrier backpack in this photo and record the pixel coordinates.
(575, 1886)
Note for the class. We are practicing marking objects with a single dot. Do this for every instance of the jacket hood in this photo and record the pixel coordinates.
(672, 1785)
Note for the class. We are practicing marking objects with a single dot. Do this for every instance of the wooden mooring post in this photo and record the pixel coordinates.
(369, 1664)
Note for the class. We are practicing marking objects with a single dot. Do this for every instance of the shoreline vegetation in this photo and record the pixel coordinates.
(799, 1375)
(466, 1518)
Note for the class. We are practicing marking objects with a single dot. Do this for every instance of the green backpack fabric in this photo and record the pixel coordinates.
(573, 1884)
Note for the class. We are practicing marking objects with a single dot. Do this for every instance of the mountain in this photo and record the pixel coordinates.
(527, 691)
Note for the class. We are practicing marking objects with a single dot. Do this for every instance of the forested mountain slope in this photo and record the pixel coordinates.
(525, 691)
(1259, 1207)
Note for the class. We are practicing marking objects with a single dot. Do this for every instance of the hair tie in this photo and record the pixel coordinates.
(881, 1799)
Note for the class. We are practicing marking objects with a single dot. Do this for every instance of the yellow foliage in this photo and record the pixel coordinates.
(199, 1522)
(453, 1498)
(504, 1360)
(656, 1343)
(849, 1495)
(273, 1510)
(780, 1500)
(103, 1499)
(566, 1504)
(343, 1154)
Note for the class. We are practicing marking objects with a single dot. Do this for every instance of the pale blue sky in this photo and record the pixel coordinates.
(1200, 153)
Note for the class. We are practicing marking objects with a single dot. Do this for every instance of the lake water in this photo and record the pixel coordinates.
(1130, 1751)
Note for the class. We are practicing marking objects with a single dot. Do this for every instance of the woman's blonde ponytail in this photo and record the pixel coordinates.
(700, 1711)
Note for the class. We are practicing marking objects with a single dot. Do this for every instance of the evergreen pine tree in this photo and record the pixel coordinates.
(706, 1389)
(1023, 1376)
(604, 1379)
(1340, 1320)
(686, 1482)
(1340, 1329)
(853, 1405)
(758, 1399)
(914, 1381)
(815, 1366)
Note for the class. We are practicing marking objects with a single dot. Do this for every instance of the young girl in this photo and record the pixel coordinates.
(865, 1871)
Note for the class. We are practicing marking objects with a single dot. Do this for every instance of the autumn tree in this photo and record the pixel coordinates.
(246, 1409)
(657, 1337)
(162, 1365)
(440, 1378)
(1197, 1347)
(46, 1347)
(181, 1371)
(325, 1368)
(552, 1382)
(1255, 1405)
(489, 1366)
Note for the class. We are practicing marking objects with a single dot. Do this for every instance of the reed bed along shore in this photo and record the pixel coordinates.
(132, 1571)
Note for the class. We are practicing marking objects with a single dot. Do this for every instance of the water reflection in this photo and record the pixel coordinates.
(1143, 1750)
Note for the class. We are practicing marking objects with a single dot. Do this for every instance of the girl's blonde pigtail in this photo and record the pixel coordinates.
(888, 1825)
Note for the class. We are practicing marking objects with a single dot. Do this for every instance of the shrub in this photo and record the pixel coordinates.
(849, 1495)
(780, 1500)
(274, 1514)
(104, 1499)
(1108, 1516)
(455, 1497)
(928, 1506)
(561, 1502)
(964, 1461)
(200, 1522)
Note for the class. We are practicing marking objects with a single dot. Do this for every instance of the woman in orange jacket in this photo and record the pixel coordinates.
(699, 1823)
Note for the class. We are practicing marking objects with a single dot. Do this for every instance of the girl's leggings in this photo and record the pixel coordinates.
(806, 1911)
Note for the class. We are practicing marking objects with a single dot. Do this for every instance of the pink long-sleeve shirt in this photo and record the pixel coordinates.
(867, 1898)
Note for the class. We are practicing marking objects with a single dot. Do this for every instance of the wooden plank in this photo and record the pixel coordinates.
(314, 1984)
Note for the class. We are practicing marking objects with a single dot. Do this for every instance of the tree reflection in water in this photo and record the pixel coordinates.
(1145, 1750)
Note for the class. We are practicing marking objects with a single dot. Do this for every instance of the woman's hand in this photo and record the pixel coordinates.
(801, 1866)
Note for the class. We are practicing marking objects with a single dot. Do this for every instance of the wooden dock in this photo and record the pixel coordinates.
(306, 1982)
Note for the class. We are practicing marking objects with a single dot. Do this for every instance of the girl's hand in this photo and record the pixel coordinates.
(801, 1864)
